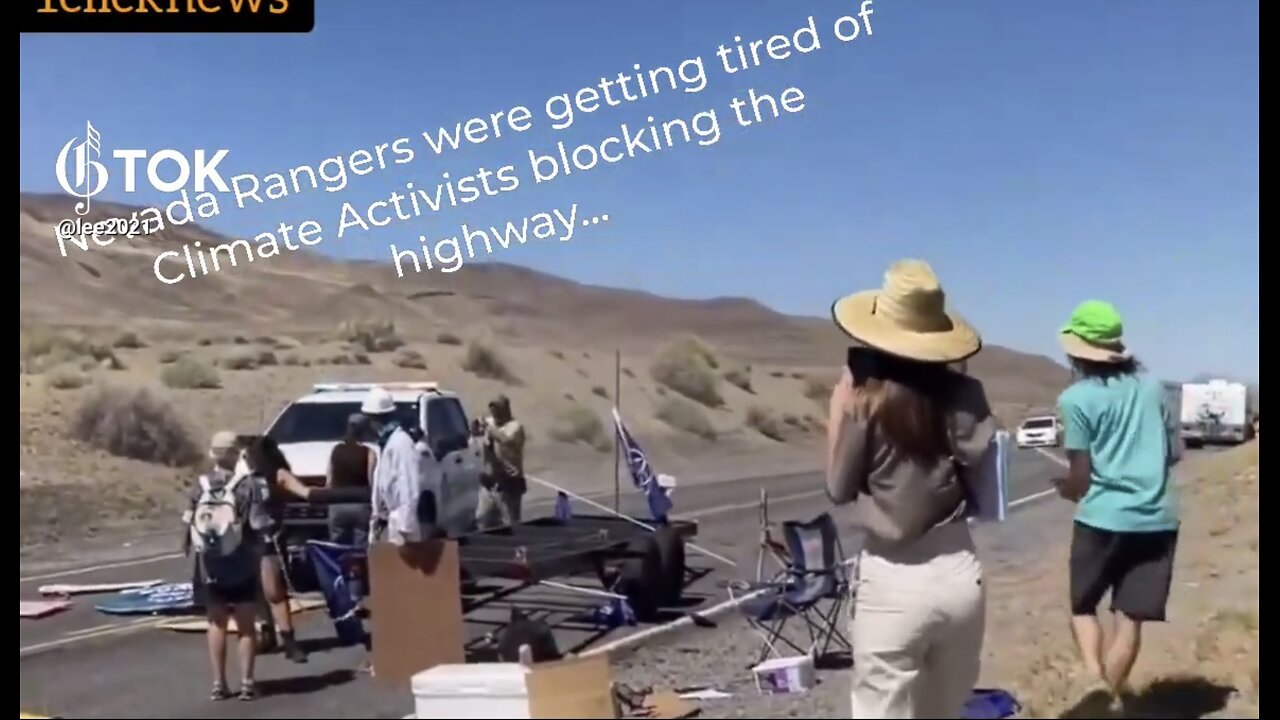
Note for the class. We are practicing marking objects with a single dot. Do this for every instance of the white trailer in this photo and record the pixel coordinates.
(1216, 411)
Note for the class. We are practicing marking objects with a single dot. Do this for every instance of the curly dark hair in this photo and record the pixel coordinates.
(264, 456)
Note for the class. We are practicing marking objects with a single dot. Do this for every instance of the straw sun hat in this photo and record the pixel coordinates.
(1095, 332)
(907, 317)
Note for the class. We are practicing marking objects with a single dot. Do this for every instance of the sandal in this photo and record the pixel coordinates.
(219, 692)
(248, 691)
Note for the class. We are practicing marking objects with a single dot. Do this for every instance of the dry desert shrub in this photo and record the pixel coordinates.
(373, 336)
(187, 373)
(486, 362)
(575, 424)
(239, 359)
(134, 423)
(409, 359)
(765, 421)
(42, 349)
(817, 389)
(128, 340)
(67, 378)
(740, 378)
(686, 416)
(688, 367)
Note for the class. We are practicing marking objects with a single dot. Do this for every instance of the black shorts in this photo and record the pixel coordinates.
(205, 594)
(1137, 567)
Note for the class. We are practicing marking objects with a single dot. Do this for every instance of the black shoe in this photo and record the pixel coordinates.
(294, 653)
(267, 643)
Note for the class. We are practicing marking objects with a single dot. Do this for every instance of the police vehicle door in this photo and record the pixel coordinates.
(448, 436)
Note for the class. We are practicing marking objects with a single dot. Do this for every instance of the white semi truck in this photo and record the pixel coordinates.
(1216, 411)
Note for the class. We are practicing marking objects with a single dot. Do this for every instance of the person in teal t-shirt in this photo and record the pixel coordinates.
(1118, 439)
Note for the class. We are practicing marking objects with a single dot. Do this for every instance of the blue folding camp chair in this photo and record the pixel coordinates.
(813, 587)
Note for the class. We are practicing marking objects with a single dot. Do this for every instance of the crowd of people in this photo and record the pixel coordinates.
(907, 428)
(233, 526)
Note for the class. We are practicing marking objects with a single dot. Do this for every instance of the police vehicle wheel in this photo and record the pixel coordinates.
(671, 551)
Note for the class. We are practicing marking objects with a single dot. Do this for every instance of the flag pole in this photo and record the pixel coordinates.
(617, 442)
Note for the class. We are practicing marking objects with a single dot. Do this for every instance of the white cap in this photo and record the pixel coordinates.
(378, 402)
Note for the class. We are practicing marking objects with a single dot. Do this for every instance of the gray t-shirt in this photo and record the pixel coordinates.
(896, 499)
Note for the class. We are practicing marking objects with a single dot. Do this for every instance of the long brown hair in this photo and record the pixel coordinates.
(907, 402)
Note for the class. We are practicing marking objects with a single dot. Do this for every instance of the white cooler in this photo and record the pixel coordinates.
(485, 690)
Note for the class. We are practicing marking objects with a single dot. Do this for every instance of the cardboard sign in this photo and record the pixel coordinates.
(577, 688)
(415, 608)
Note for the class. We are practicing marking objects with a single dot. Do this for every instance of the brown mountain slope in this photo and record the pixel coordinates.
(303, 291)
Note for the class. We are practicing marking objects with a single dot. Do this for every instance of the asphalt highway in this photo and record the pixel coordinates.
(82, 664)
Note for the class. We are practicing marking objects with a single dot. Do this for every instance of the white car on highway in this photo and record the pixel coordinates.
(309, 427)
(1042, 431)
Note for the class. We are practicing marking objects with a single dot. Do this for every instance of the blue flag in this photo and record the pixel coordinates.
(328, 558)
(564, 513)
(646, 481)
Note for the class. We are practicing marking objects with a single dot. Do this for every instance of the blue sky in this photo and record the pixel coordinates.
(1037, 154)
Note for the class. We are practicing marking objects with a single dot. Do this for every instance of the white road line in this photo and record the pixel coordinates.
(101, 632)
(1051, 456)
(1043, 493)
(734, 507)
(1029, 498)
(97, 568)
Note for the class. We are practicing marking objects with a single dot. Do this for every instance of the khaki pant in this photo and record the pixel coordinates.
(498, 508)
(917, 629)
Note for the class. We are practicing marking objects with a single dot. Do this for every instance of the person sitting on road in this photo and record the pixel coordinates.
(503, 484)
(1120, 441)
(398, 473)
(269, 466)
(224, 526)
(903, 426)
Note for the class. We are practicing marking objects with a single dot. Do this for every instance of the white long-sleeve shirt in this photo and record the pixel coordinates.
(398, 480)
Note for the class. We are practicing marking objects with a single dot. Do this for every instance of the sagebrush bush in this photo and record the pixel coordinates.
(764, 421)
(740, 378)
(686, 416)
(486, 362)
(409, 359)
(187, 373)
(817, 389)
(67, 378)
(128, 341)
(576, 423)
(135, 423)
(688, 367)
(373, 336)
(239, 359)
(43, 349)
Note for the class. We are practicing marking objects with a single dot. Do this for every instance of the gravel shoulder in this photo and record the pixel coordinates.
(1204, 663)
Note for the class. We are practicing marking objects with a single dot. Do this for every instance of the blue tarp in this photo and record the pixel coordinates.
(168, 598)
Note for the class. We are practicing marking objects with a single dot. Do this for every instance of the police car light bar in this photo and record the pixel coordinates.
(358, 387)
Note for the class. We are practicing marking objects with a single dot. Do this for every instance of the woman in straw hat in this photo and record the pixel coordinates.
(1119, 439)
(902, 421)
